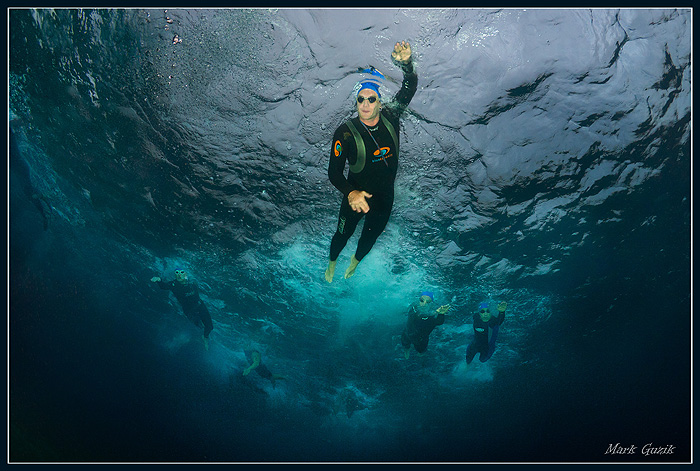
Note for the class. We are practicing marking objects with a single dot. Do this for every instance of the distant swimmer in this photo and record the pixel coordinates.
(255, 359)
(486, 329)
(348, 401)
(20, 168)
(369, 144)
(187, 293)
(422, 319)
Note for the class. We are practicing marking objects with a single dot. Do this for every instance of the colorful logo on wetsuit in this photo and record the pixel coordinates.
(381, 154)
(337, 148)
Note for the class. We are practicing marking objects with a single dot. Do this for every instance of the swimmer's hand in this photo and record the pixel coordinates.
(502, 306)
(358, 201)
(155, 279)
(402, 52)
(443, 309)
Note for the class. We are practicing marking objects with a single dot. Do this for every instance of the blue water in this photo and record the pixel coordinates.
(545, 162)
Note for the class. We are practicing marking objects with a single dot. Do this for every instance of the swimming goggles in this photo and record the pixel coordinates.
(371, 99)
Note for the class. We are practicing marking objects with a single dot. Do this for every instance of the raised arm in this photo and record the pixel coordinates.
(402, 56)
(501, 312)
(162, 284)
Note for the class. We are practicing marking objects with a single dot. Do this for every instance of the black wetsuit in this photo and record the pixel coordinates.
(376, 176)
(193, 307)
(419, 325)
(485, 334)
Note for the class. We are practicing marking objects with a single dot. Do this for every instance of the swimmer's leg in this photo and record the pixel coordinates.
(375, 222)
(351, 268)
(347, 222)
(330, 271)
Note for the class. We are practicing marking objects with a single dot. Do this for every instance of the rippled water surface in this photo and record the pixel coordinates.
(545, 162)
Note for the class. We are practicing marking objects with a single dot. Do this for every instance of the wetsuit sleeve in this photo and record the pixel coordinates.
(494, 321)
(165, 285)
(501, 317)
(439, 319)
(411, 317)
(343, 149)
(408, 89)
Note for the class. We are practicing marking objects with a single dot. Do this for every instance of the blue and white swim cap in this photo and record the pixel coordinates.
(428, 294)
(484, 305)
(372, 79)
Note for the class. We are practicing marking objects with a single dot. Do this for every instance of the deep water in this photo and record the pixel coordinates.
(546, 161)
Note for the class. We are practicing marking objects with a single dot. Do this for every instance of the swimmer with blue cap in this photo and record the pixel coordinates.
(486, 328)
(369, 147)
(422, 319)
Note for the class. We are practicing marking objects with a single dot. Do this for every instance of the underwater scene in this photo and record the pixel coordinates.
(172, 203)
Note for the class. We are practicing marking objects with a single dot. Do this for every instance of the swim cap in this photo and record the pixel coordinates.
(428, 294)
(484, 306)
(371, 79)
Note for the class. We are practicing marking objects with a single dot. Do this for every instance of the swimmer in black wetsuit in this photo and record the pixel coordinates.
(422, 319)
(370, 145)
(187, 293)
(255, 359)
(486, 329)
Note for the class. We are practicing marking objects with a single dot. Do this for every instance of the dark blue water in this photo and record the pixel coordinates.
(545, 162)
